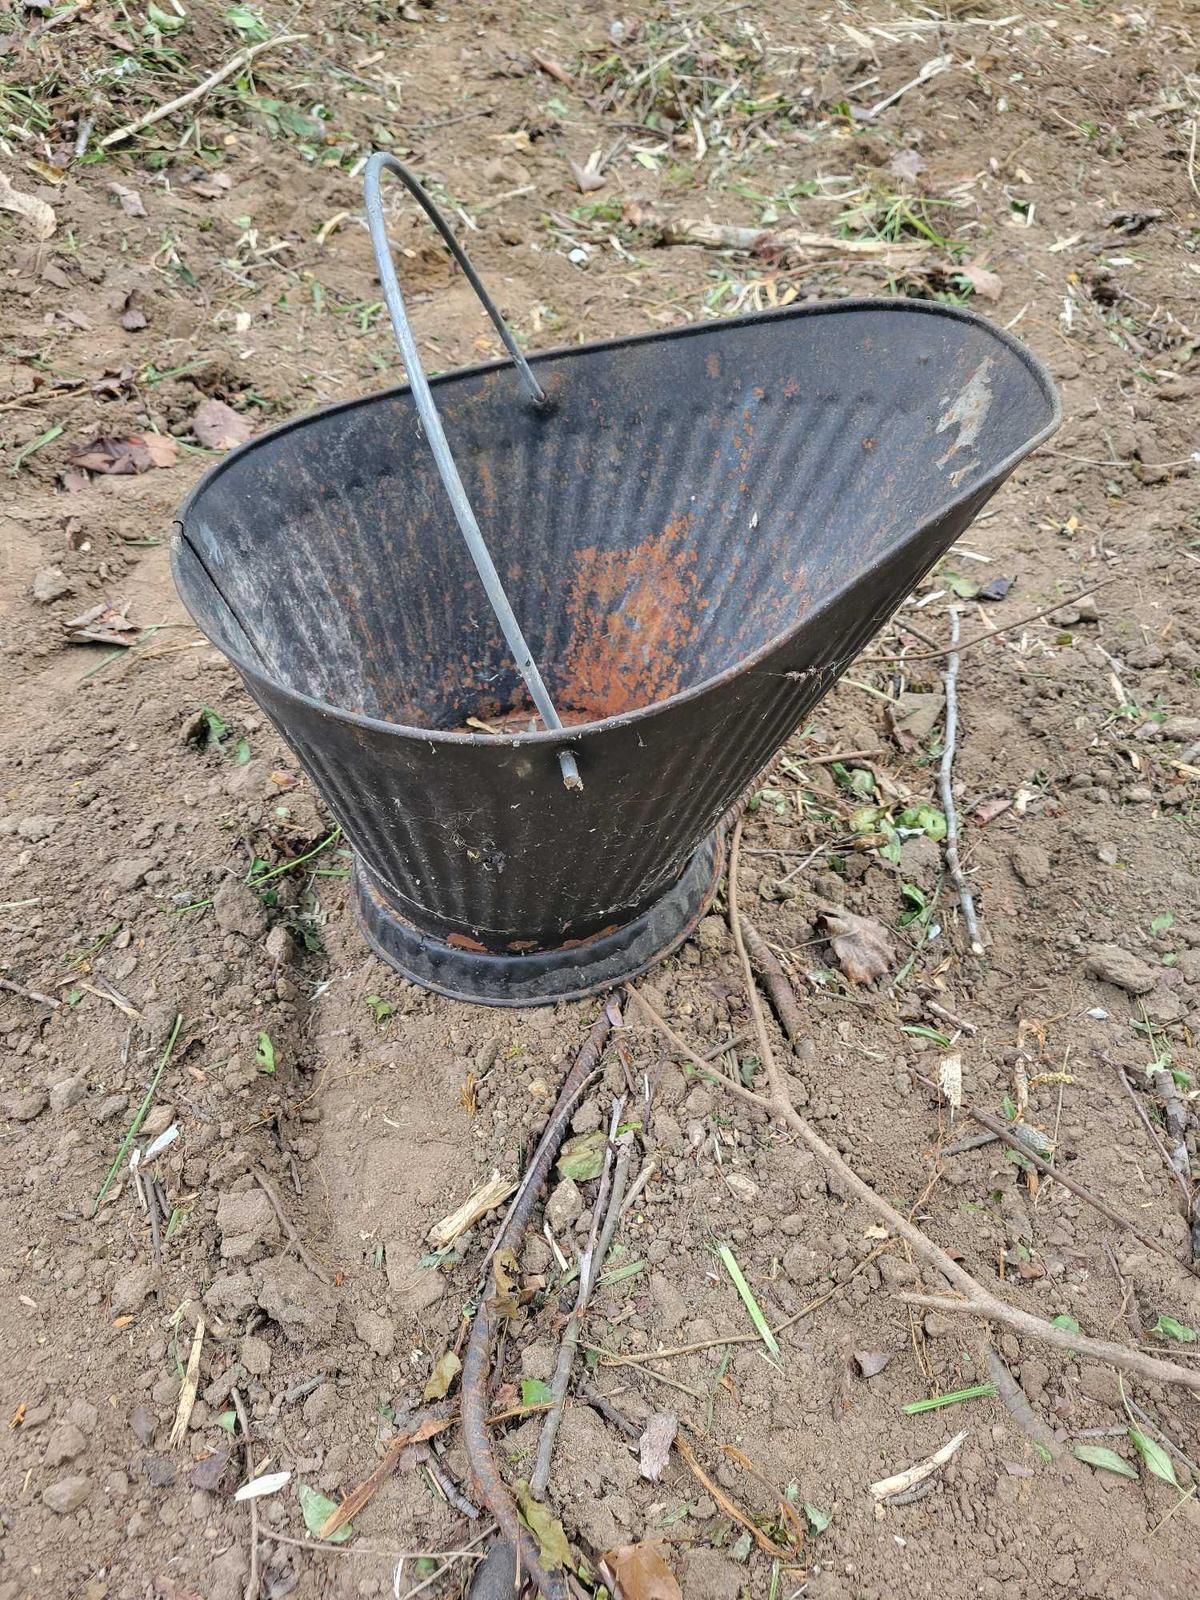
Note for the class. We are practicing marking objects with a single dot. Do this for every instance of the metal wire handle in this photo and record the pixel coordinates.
(379, 163)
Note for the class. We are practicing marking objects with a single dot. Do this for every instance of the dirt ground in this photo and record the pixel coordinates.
(1043, 170)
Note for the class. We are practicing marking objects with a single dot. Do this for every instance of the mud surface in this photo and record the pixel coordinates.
(224, 258)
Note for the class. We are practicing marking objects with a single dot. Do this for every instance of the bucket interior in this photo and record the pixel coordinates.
(681, 503)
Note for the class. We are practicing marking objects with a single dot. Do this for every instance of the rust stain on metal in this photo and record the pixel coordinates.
(632, 613)
(968, 411)
(461, 942)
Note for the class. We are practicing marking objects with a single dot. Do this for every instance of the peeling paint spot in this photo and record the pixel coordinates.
(968, 411)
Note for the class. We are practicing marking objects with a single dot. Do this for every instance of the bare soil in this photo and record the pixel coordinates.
(138, 794)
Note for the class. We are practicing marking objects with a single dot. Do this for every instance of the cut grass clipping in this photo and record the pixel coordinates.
(729, 1262)
(139, 1115)
(981, 1391)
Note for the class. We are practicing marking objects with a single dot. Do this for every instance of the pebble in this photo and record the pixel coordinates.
(130, 873)
(239, 910)
(246, 1222)
(376, 1331)
(1031, 863)
(24, 1106)
(280, 945)
(64, 1444)
(564, 1205)
(712, 934)
(1111, 964)
(144, 1423)
(69, 1092)
(37, 828)
(50, 583)
(255, 1356)
(68, 1494)
(131, 1289)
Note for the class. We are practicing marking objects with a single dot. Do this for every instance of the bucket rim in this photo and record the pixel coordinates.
(558, 738)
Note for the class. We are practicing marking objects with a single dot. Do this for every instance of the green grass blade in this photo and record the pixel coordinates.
(140, 1114)
(981, 1391)
(729, 1261)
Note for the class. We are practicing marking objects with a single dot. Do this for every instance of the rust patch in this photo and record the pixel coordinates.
(632, 613)
(461, 942)
(712, 364)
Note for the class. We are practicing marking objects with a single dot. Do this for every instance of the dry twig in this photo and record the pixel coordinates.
(946, 787)
(234, 64)
(976, 1300)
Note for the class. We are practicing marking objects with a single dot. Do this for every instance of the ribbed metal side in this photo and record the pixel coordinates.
(697, 536)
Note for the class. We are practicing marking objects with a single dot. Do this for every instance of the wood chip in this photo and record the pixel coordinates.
(886, 1487)
(486, 1198)
(187, 1394)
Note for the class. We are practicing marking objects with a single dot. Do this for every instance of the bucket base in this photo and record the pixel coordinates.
(544, 976)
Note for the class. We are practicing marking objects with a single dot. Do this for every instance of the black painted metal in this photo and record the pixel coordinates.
(698, 533)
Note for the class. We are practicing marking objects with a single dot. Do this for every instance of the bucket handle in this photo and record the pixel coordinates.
(379, 163)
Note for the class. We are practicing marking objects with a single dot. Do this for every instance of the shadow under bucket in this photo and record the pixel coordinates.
(698, 531)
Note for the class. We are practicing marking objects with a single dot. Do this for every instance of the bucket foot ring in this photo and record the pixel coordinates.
(541, 977)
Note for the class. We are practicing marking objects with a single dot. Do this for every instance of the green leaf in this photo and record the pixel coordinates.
(818, 1520)
(446, 1369)
(382, 1009)
(928, 819)
(215, 723)
(920, 1031)
(241, 752)
(965, 588)
(248, 23)
(729, 1261)
(545, 1527)
(164, 21)
(317, 1509)
(981, 1391)
(264, 1056)
(1104, 1459)
(629, 1270)
(1163, 921)
(535, 1393)
(583, 1156)
(1170, 1329)
(227, 1420)
(1065, 1321)
(1155, 1457)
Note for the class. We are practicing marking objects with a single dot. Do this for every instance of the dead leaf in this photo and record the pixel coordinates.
(871, 1362)
(125, 457)
(586, 178)
(642, 1572)
(504, 1275)
(656, 1444)
(103, 624)
(219, 427)
(988, 810)
(862, 945)
(130, 199)
(446, 1369)
(37, 213)
(207, 1474)
(553, 1547)
(988, 285)
(133, 317)
(212, 187)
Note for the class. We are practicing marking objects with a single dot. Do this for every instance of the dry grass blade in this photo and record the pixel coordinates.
(730, 1507)
(358, 1498)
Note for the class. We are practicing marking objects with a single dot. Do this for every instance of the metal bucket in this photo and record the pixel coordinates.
(698, 531)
